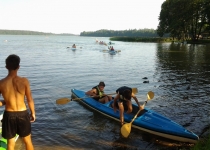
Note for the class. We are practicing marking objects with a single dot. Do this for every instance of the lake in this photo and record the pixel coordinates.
(178, 74)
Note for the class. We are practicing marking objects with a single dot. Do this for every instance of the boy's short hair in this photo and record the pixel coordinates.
(12, 62)
(101, 83)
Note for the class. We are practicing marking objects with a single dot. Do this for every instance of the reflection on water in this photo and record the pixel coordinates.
(183, 72)
(178, 74)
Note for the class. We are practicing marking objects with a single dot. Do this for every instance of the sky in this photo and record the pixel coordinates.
(76, 16)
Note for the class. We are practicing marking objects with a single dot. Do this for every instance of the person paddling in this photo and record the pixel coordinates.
(73, 46)
(111, 48)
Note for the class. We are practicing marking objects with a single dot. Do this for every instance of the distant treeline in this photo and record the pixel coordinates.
(22, 32)
(121, 33)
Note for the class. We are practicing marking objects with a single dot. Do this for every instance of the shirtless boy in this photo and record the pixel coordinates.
(16, 119)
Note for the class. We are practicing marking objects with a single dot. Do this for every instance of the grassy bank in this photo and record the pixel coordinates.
(157, 40)
(200, 41)
(203, 144)
(140, 39)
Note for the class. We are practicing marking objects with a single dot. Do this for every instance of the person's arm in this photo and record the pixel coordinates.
(137, 102)
(91, 92)
(2, 103)
(115, 101)
(30, 101)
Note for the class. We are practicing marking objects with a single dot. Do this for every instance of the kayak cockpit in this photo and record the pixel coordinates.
(134, 111)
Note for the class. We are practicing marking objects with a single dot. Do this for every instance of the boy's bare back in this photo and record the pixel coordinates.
(14, 89)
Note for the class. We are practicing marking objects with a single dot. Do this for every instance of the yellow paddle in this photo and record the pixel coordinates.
(126, 128)
(65, 100)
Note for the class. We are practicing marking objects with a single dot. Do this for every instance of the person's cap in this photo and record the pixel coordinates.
(101, 84)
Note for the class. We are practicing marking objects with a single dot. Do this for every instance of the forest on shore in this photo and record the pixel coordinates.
(185, 19)
(23, 32)
(121, 33)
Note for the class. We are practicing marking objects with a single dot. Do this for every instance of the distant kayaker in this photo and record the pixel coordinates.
(98, 93)
(16, 119)
(123, 101)
(73, 46)
(111, 48)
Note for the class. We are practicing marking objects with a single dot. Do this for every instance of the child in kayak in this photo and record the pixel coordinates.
(98, 93)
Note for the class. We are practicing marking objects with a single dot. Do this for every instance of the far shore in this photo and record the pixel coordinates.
(159, 40)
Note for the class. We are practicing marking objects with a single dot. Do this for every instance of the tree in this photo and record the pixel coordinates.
(183, 18)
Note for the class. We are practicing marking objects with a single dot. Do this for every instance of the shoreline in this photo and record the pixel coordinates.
(158, 40)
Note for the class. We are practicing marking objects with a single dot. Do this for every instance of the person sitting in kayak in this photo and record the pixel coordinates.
(123, 101)
(98, 93)
(111, 48)
(73, 46)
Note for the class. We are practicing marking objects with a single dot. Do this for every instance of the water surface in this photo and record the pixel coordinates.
(178, 74)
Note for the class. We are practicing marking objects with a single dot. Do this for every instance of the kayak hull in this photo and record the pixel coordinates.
(112, 52)
(148, 121)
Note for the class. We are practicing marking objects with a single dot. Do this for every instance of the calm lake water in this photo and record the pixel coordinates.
(178, 74)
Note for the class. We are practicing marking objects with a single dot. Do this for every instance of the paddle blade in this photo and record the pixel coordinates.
(62, 101)
(126, 129)
(134, 90)
(150, 95)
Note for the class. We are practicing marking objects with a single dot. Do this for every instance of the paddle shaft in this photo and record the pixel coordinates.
(138, 112)
(65, 100)
(113, 50)
(126, 128)
(91, 96)
(149, 97)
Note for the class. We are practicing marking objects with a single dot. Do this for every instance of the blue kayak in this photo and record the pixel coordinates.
(112, 52)
(148, 121)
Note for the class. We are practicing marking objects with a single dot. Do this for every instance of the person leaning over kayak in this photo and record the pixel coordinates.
(16, 118)
(98, 93)
(123, 101)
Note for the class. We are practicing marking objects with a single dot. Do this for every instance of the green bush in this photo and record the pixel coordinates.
(203, 144)
(140, 39)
